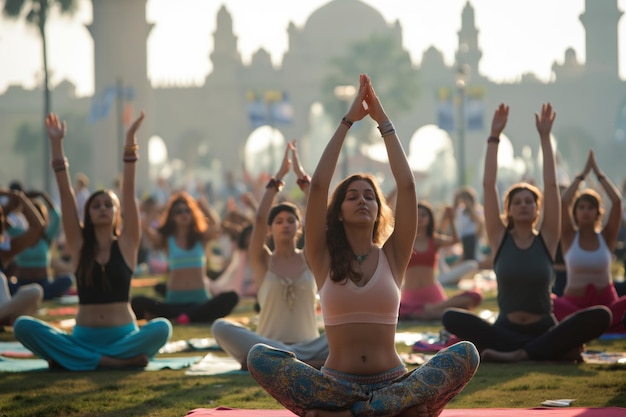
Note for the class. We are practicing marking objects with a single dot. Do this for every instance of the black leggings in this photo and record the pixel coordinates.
(207, 312)
(543, 340)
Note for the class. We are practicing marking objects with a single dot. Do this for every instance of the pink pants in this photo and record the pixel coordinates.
(566, 305)
(413, 300)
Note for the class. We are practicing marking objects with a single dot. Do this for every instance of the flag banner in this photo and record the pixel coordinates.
(272, 107)
(445, 109)
(475, 108)
(101, 104)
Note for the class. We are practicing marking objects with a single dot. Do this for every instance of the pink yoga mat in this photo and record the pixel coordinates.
(475, 412)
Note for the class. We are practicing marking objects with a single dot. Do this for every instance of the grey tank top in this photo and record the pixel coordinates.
(524, 277)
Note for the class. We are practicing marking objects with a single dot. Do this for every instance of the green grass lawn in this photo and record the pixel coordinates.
(172, 393)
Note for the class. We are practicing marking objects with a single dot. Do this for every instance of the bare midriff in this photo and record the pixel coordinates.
(104, 315)
(362, 348)
(185, 279)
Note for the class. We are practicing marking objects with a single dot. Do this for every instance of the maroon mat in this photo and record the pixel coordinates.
(475, 412)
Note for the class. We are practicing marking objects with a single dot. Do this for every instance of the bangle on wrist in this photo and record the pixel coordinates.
(275, 183)
(59, 164)
(493, 139)
(386, 128)
(131, 148)
(130, 158)
(347, 122)
(580, 177)
(600, 177)
(303, 181)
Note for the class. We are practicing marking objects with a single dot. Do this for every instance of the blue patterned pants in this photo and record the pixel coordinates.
(300, 387)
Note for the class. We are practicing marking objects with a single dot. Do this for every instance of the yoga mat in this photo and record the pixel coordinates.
(599, 357)
(157, 364)
(475, 412)
(191, 345)
(14, 350)
(216, 365)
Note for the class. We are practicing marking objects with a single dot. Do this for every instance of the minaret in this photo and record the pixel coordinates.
(468, 53)
(225, 56)
(600, 20)
(120, 32)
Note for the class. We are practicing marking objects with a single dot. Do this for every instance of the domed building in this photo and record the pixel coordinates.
(206, 127)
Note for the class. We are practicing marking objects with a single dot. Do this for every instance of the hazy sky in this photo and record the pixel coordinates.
(516, 37)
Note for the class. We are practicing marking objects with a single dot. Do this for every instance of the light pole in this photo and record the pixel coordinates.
(461, 78)
(345, 93)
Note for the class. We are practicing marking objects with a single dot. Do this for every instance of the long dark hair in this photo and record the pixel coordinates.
(87, 255)
(430, 228)
(341, 255)
(198, 225)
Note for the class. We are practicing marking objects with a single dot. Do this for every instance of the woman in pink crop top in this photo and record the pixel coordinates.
(587, 252)
(423, 297)
(353, 248)
(186, 227)
(286, 287)
(104, 248)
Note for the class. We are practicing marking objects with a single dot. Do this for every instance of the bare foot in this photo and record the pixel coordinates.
(415, 411)
(490, 355)
(140, 361)
(328, 413)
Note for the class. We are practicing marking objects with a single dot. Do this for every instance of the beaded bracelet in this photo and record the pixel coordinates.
(303, 181)
(347, 122)
(493, 139)
(131, 148)
(275, 183)
(59, 165)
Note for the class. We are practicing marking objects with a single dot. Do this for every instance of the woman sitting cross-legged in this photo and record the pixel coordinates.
(105, 250)
(183, 234)
(423, 297)
(286, 287)
(359, 259)
(525, 327)
(589, 250)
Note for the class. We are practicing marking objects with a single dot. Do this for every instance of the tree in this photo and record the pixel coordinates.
(36, 13)
(28, 144)
(383, 59)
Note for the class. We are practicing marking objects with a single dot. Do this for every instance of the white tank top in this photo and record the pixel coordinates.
(588, 267)
(288, 307)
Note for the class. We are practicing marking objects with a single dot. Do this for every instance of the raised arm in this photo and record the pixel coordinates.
(493, 224)
(399, 245)
(131, 231)
(611, 228)
(214, 222)
(551, 224)
(53, 224)
(447, 219)
(315, 226)
(303, 180)
(35, 229)
(69, 217)
(568, 228)
(258, 252)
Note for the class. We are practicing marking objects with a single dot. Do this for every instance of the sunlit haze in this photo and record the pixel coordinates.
(515, 37)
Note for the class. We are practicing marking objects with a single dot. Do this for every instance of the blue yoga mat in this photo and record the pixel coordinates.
(157, 364)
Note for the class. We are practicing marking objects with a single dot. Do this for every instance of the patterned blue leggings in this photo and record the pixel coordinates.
(300, 387)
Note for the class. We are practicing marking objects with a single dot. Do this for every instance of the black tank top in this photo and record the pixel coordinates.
(524, 276)
(110, 282)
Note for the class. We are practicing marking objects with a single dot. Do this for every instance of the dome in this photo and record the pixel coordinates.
(337, 20)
